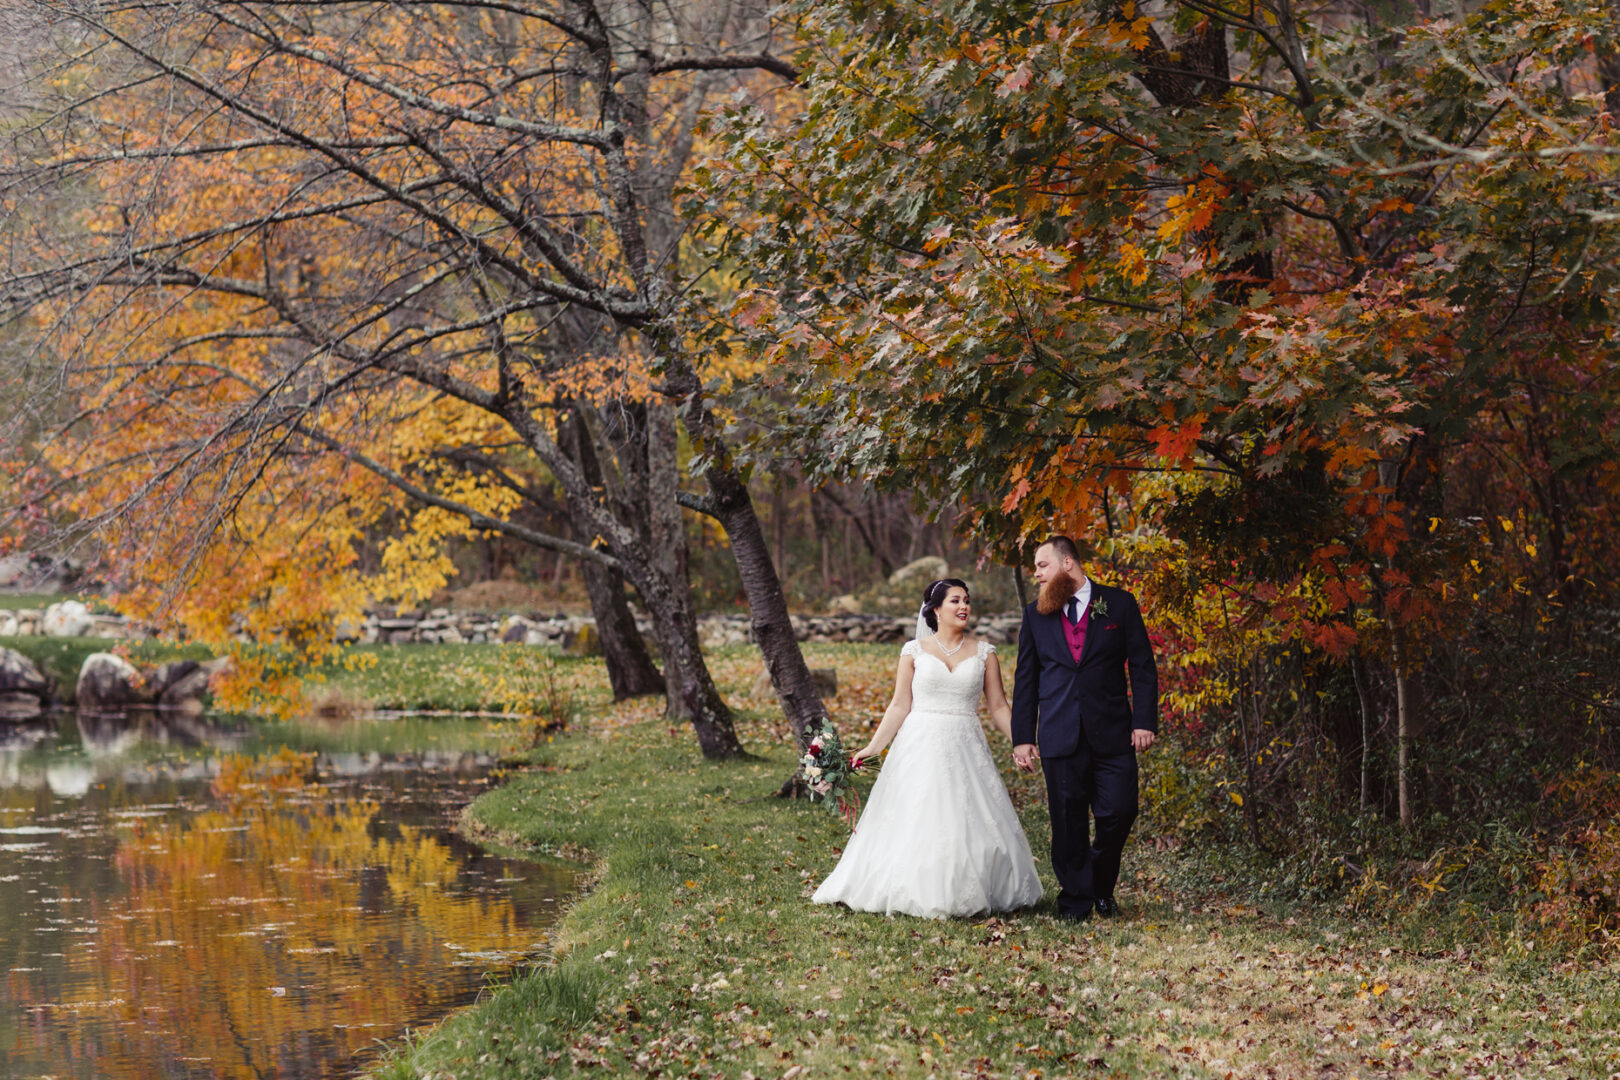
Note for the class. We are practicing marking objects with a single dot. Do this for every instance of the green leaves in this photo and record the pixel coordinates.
(1010, 244)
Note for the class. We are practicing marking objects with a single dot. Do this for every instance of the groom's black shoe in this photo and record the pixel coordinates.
(1074, 914)
(1106, 907)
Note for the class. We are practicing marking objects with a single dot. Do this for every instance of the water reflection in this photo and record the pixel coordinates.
(193, 899)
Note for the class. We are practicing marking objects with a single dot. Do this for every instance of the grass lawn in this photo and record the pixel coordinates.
(470, 678)
(698, 954)
(457, 678)
(16, 601)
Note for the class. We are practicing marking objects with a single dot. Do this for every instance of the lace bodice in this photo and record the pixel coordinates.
(937, 688)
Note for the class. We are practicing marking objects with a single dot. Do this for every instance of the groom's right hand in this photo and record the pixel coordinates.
(1025, 755)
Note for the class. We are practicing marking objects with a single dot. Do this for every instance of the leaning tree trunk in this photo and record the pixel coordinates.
(668, 603)
(767, 607)
(666, 532)
(730, 504)
(630, 667)
(688, 686)
(686, 674)
(688, 682)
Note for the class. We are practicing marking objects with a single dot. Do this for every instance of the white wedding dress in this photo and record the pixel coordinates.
(939, 836)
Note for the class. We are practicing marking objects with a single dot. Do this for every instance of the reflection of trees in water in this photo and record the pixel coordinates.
(287, 888)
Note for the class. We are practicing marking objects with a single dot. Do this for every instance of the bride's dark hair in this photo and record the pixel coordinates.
(935, 594)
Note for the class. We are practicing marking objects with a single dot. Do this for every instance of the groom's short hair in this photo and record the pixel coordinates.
(1062, 546)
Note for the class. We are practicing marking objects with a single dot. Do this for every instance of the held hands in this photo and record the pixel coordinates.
(1025, 755)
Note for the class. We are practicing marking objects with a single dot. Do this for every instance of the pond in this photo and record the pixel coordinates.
(192, 897)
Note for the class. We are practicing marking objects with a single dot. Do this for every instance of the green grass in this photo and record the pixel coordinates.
(401, 735)
(455, 678)
(10, 601)
(698, 954)
(474, 677)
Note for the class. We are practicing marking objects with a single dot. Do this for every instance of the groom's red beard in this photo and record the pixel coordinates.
(1056, 592)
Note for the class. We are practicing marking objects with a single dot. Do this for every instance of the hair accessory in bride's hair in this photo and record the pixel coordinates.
(933, 596)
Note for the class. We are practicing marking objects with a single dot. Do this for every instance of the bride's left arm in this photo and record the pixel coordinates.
(995, 695)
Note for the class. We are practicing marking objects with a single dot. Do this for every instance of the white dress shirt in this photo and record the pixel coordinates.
(1083, 598)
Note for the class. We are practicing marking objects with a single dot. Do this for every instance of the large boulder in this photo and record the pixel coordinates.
(183, 684)
(67, 618)
(177, 681)
(19, 675)
(110, 682)
(921, 571)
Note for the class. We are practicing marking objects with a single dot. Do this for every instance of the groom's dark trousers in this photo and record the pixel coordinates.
(1079, 787)
(1077, 712)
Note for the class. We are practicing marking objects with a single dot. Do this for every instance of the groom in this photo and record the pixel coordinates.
(1075, 646)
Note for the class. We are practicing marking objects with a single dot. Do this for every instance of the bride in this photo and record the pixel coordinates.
(939, 836)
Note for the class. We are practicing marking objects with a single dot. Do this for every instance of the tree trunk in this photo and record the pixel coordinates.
(630, 667)
(689, 688)
(767, 607)
(666, 536)
(730, 504)
(1366, 729)
(1246, 690)
(688, 680)
(1403, 727)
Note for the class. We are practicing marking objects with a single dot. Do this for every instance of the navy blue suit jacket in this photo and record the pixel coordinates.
(1056, 701)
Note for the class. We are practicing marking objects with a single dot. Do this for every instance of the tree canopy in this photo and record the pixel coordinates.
(1304, 317)
(328, 268)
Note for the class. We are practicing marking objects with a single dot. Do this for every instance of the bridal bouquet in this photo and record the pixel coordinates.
(827, 770)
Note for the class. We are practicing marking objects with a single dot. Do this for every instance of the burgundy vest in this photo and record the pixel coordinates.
(1075, 633)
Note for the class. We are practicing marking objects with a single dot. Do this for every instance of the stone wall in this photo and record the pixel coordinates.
(71, 619)
(68, 619)
(565, 630)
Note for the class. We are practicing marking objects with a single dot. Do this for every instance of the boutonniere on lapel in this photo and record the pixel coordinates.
(1098, 609)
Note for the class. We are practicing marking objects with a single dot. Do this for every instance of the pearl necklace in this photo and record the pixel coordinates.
(950, 652)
